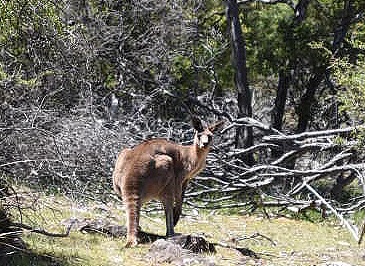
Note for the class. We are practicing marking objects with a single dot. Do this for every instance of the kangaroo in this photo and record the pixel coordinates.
(160, 169)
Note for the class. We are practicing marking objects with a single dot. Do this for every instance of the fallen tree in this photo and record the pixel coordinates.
(76, 155)
(312, 169)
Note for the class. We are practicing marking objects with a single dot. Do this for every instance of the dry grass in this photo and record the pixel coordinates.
(298, 242)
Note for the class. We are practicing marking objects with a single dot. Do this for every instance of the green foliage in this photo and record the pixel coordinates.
(310, 215)
(350, 192)
(182, 70)
(3, 74)
(339, 140)
(142, 46)
(22, 19)
(275, 41)
(359, 217)
(266, 45)
(349, 73)
(26, 259)
(351, 76)
(206, 63)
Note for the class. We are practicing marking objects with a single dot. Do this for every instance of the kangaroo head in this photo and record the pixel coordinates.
(204, 136)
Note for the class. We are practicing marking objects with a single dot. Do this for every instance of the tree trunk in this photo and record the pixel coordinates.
(244, 135)
(307, 100)
(304, 108)
(280, 100)
(300, 11)
(277, 112)
(344, 25)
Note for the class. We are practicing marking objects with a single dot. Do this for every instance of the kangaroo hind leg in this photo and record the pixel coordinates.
(133, 206)
(169, 213)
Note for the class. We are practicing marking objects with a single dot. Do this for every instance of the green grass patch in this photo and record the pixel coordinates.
(298, 242)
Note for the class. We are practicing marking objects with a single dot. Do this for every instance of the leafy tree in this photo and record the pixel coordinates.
(350, 77)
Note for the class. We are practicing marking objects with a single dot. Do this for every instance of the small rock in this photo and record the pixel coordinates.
(166, 251)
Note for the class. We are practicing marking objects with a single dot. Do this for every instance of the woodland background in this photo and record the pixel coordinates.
(80, 80)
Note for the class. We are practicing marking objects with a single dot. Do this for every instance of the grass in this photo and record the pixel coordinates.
(298, 242)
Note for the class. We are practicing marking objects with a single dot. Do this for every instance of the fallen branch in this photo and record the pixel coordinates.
(29, 161)
(351, 228)
(362, 232)
(261, 146)
(298, 151)
(334, 161)
(42, 231)
(256, 235)
(251, 122)
(286, 172)
(311, 134)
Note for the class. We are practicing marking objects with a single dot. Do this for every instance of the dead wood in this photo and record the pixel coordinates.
(196, 244)
(22, 226)
(277, 179)
(10, 238)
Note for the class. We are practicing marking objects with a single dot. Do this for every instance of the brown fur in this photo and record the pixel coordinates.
(159, 169)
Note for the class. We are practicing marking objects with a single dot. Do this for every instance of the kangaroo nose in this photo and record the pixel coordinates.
(204, 141)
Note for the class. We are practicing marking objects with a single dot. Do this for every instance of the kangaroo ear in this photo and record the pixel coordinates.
(216, 126)
(197, 124)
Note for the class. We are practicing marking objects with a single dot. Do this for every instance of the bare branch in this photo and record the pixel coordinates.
(351, 228)
(42, 231)
(314, 134)
(251, 122)
(296, 152)
(270, 2)
(261, 146)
